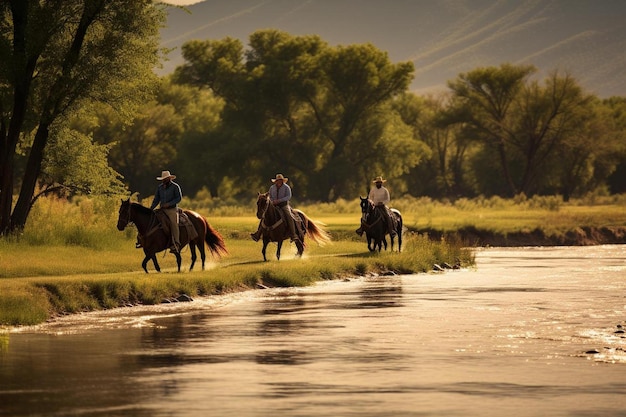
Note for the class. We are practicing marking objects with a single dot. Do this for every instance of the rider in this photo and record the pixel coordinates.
(280, 194)
(168, 195)
(381, 198)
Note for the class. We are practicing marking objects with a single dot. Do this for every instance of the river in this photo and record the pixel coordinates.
(528, 332)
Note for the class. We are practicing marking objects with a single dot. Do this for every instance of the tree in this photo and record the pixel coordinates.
(486, 97)
(443, 173)
(616, 106)
(56, 55)
(318, 113)
(143, 146)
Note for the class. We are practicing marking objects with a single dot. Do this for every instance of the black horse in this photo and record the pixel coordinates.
(275, 229)
(154, 239)
(374, 224)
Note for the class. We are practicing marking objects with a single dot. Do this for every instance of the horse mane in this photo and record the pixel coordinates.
(142, 209)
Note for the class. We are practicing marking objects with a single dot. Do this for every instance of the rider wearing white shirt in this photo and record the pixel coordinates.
(381, 198)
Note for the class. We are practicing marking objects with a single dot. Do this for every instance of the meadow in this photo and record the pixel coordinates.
(71, 258)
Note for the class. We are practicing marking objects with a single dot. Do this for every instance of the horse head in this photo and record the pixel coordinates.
(124, 215)
(367, 206)
(262, 202)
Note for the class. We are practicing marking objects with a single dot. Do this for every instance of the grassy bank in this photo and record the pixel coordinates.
(78, 280)
(71, 258)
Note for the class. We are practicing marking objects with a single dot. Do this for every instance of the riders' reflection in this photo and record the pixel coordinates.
(380, 292)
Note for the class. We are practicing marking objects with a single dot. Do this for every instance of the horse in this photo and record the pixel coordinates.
(155, 239)
(375, 225)
(275, 229)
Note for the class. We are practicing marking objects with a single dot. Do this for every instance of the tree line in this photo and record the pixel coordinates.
(83, 111)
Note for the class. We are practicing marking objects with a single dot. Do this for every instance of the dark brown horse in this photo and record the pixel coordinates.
(275, 229)
(375, 225)
(155, 239)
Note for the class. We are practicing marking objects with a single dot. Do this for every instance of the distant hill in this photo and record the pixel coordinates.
(442, 38)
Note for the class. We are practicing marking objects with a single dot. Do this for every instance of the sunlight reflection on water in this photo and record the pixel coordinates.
(529, 332)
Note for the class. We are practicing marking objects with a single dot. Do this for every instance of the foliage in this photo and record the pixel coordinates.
(316, 112)
(57, 57)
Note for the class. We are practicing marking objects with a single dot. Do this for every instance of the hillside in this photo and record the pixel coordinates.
(443, 38)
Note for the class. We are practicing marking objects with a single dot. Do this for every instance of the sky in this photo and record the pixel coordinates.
(182, 2)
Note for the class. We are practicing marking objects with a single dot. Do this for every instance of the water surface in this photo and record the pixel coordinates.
(529, 332)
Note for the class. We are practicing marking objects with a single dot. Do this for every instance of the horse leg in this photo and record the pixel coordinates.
(150, 255)
(156, 263)
(144, 264)
(278, 246)
(399, 233)
(300, 246)
(192, 247)
(265, 242)
(179, 260)
(202, 252)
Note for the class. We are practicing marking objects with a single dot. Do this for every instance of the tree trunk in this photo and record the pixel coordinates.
(23, 69)
(33, 169)
(505, 169)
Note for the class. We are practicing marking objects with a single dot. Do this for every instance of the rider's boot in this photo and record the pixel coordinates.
(256, 235)
(359, 231)
(175, 248)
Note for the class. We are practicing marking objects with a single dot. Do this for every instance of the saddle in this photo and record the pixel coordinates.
(183, 221)
(297, 221)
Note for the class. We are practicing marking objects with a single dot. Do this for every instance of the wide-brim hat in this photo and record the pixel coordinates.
(379, 179)
(164, 175)
(280, 177)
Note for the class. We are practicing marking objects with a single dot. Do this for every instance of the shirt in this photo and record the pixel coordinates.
(380, 195)
(167, 196)
(282, 194)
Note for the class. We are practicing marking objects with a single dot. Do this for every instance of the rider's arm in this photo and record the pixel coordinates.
(157, 198)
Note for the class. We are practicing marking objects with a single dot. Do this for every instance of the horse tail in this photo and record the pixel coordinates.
(214, 240)
(318, 234)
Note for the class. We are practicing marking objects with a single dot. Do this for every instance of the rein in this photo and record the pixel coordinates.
(153, 224)
(263, 224)
(369, 225)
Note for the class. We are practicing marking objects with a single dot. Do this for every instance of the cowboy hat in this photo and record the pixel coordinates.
(280, 177)
(164, 175)
(379, 179)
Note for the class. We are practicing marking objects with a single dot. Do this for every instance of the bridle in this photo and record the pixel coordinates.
(127, 220)
(368, 209)
(264, 210)
(268, 203)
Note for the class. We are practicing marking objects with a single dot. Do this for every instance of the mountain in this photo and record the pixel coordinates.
(586, 38)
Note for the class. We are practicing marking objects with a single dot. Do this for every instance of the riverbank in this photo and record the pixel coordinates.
(37, 285)
(71, 258)
(578, 236)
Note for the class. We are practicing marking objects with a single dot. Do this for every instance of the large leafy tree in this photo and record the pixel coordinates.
(485, 99)
(54, 56)
(360, 141)
(616, 107)
(317, 113)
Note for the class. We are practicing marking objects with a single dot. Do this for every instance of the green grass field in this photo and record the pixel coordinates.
(71, 258)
